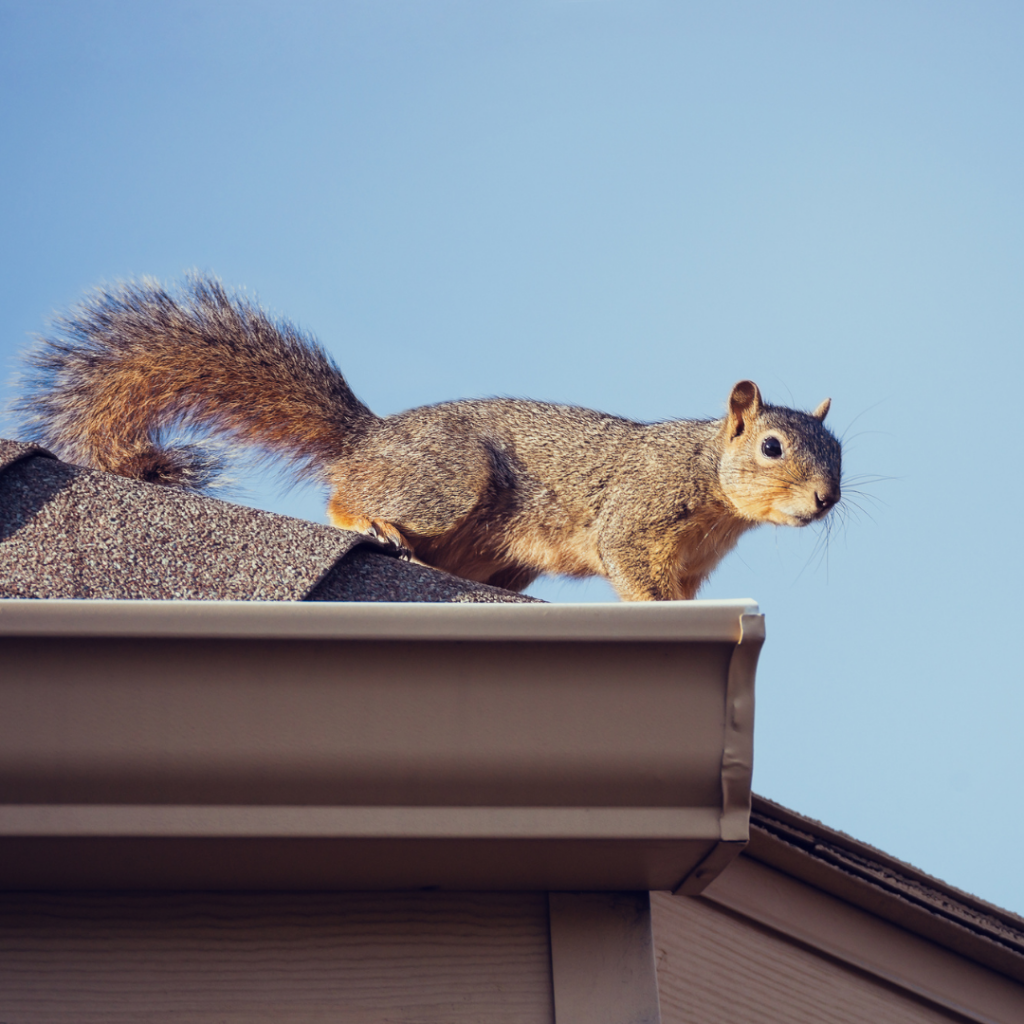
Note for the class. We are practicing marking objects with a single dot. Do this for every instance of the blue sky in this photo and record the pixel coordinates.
(630, 206)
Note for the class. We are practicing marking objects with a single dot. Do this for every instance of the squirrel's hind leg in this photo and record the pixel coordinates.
(385, 533)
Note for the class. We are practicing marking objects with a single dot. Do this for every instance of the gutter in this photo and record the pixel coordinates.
(254, 745)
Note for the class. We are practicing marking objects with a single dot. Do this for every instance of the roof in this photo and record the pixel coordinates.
(69, 532)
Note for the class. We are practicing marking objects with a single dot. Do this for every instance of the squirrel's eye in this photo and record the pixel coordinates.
(771, 448)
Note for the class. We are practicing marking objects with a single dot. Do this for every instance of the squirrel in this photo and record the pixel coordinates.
(495, 490)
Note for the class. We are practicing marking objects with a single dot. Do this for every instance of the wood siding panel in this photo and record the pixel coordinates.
(715, 967)
(233, 958)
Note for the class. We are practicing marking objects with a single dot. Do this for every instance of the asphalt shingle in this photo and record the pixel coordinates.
(69, 532)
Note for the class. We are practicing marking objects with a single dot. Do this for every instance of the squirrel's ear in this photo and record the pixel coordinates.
(822, 411)
(744, 405)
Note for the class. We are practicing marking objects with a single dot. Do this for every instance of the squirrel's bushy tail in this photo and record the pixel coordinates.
(131, 363)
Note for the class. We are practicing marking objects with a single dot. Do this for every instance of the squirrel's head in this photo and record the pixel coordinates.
(778, 465)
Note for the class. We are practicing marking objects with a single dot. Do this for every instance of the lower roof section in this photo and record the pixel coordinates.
(879, 884)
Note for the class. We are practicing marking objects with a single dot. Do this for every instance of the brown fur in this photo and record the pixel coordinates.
(497, 491)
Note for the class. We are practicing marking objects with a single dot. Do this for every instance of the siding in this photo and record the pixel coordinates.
(244, 959)
(716, 967)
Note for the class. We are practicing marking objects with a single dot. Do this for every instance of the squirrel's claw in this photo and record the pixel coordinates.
(388, 536)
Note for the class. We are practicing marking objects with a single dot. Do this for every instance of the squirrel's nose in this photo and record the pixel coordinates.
(827, 500)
